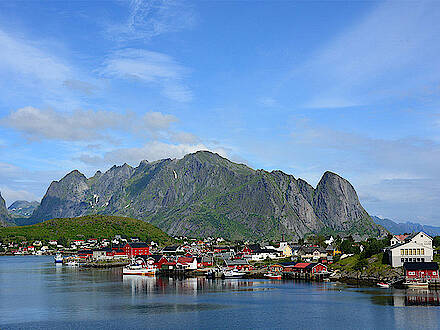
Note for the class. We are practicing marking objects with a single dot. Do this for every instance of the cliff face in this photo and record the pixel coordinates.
(205, 194)
(5, 218)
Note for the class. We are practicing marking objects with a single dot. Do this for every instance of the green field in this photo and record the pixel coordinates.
(92, 226)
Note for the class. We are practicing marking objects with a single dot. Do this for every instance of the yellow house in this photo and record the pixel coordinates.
(286, 249)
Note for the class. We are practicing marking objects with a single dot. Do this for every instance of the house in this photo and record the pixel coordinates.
(416, 247)
(250, 249)
(135, 249)
(203, 262)
(288, 266)
(187, 263)
(156, 260)
(238, 264)
(276, 268)
(425, 271)
(173, 249)
(84, 254)
(309, 268)
(312, 253)
(329, 240)
(285, 249)
(263, 254)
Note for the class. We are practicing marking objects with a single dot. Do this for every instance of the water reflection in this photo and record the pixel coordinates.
(409, 297)
(141, 285)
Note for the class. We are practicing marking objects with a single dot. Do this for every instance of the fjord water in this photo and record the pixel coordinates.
(36, 293)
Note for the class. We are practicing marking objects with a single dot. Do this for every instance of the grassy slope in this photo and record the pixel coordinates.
(91, 226)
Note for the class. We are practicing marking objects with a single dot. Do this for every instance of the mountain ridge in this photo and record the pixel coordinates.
(204, 194)
(397, 228)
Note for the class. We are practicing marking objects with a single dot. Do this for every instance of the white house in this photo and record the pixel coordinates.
(416, 247)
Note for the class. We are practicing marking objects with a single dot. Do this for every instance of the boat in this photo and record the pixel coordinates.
(383, 285)
(273, 276)
(58, 258)
(72, 263)
(233, 274)
(416, 285)
(136, 268)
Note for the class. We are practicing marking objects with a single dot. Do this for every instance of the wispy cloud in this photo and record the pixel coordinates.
(392, 47)
(83, 125)
(153, 68)
(147, 19)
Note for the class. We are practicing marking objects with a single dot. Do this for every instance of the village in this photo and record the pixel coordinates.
(308, 259)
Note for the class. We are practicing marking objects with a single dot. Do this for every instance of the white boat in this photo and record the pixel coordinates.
(273, 276)
(139, 269)
(233, 274)
(383, 285)
(58, 258)
(416, 285)
(72, 263)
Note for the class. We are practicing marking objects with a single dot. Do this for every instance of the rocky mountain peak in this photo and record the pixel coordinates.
(5, 218)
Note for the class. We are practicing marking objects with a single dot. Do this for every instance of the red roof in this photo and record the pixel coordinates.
(401, 237)
(302, 264)
(185, 260)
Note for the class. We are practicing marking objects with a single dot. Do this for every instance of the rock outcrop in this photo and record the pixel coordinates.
(204, 194)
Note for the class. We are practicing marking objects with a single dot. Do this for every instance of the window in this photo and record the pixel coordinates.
(410, 252)
(418, 251)
(422, 251)
(411, 273)
(434, 273)
(402, 260)
(406, 252)
(423, 259)
(402, 252)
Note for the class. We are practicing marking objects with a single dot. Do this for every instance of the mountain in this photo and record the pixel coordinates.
(204, 194)
(92, 226)
(407, 227)
(22, 208)
(5, 218)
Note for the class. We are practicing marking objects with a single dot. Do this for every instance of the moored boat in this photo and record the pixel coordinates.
(58, 258)
(139, 268)
(273, 276)
(233, 274)
(416, 284)
(383, 285)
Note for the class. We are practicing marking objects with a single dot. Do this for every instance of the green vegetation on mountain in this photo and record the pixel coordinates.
(204, 194)
(91, 226)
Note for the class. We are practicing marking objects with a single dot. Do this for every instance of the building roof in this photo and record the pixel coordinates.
(137, 245)
(236, 262)
(185, 260)
(171, 248)
(302, 264)
(420, 266)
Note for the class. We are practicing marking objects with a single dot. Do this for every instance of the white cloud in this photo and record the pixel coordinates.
(84, 125)
(23, 58)
(150, 18)
(149, 67)
(11, 195)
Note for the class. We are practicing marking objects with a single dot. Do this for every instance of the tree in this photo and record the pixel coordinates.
(436, 241)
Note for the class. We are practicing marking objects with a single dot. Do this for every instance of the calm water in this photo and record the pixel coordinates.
(36, 293)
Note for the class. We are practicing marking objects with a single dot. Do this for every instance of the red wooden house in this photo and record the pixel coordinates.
(309, 267)
(421, 270)
(136, 249)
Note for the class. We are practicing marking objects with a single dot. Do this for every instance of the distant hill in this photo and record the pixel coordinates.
(407, 227)
(22, 209)
(204, 194)
(92, 226)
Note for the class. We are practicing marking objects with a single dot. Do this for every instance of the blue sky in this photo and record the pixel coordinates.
(305, 87)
